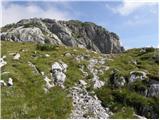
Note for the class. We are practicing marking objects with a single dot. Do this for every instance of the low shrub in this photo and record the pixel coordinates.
(45, 47)
(124, 113)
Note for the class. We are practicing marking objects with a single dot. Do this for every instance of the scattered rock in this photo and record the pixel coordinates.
(139, 117)
(67, 54)
(2, 62)
(134, 62)
(82, 82)
(10, 82)
(142, 50)
(102, 61)
(85, 74)
(74, 50)
(2, 83)
(36, 70)
(86, 106)
(47, 79)
(12, 53)
(46, 55)
(42, 73)
(16, 56)
(49, 83)
(4, 57)
(96, 82)
(81, 46)
(5, 73)
(79, 58)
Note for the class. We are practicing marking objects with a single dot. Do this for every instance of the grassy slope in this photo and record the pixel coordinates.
(126, 100)
(26, 99)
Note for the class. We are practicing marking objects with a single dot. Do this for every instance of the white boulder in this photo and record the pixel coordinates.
(82, 82)
(2, 62)
(46, 55)
(2, 83)
(16, 56)
(98, 84)
(68, 54)
(134, 75)
(10, 82)
(58, 73)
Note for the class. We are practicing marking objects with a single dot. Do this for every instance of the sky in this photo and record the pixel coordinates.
(136, 22)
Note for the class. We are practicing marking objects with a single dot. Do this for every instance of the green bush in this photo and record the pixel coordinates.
(105, 95)
(138, 86)
(124, 113)
(138, 102)
(46, 47)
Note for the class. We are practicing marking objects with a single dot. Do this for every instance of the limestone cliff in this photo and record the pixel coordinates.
(71, 33)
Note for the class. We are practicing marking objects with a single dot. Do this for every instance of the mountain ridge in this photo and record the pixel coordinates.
(70, 33)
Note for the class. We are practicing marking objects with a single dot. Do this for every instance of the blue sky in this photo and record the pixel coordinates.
(135, 22)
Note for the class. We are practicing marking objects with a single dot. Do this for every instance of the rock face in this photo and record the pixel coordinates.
(71, 33)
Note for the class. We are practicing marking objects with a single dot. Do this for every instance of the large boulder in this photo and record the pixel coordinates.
(134, 75)
(58, 73)
(2, 61)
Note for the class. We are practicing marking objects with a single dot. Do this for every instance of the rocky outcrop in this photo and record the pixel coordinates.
(117, 80)
(153, 90)
(71, 33)
(58, 73)
(95, 80)
(134, 75)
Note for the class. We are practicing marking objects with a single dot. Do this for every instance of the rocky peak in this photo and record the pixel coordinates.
(71, 33)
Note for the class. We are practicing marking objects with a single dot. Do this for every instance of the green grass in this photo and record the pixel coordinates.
(124, 113)
(131, 94)
(26, 99)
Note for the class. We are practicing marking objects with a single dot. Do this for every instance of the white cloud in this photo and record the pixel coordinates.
(137, 20)
(15, 12)
(128, 7)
